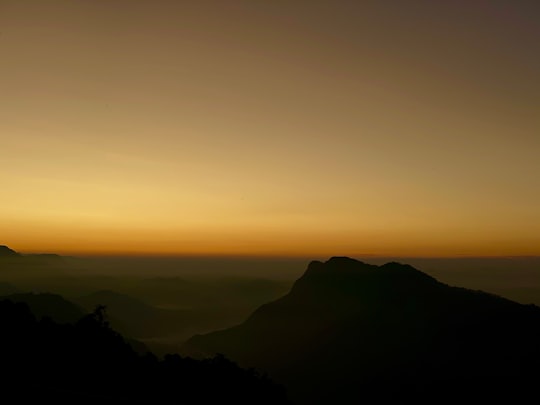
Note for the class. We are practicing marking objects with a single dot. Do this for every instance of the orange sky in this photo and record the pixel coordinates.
(270, 127)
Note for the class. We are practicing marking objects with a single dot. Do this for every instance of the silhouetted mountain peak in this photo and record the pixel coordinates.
(343, 260)
(7, 252)
(354, 332)
(402, 272)
(346, 276)
(336, 264)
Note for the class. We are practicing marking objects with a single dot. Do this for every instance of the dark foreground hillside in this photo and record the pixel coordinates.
(88, 363)
(349, 332)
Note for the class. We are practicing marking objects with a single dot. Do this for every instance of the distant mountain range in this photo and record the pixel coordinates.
(46, 305)
(350, 332)
(15, 264)
(136, 318)
(7, 252)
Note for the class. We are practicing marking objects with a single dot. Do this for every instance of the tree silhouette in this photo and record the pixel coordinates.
(88, 362)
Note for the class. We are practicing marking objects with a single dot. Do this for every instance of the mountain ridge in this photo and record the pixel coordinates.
(8, 252)
(48, 305)
(346, 324)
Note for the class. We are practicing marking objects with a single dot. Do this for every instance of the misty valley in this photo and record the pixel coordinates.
(339, 330)
(160, 311)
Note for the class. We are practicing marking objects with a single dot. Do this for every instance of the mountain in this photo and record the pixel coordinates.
(136, 318)
(16, 266)
(117, 302)
(350, 332)
(49, 305)
(87, 362)
(7, 252)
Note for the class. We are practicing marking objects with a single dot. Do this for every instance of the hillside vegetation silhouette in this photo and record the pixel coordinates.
(88, 363)
(162, 302)
(350, 332)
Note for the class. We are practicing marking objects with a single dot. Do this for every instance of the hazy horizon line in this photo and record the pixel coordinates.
(251, 256)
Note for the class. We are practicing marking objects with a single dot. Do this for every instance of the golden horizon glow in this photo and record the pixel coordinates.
(246, 128)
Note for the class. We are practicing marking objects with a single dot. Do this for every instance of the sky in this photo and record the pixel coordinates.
(274, 128)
